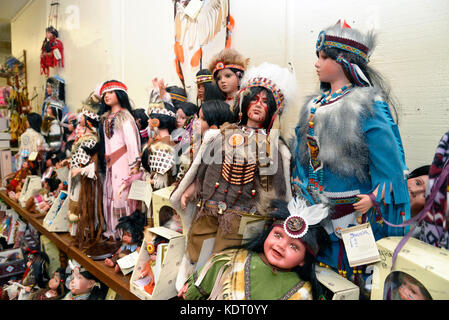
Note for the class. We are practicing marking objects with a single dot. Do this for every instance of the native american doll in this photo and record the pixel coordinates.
(348, 146)
(54, 91)
(51, 128)
(86, 221)
(228, 68)
(132, 227)
(14, 187)
(55, 289)
(122, 152)
(206, 87)
(52, 51)
(158, 155)
(42, 202)
(256, 270)
(82, 284)
(31, 140)
(234, 163)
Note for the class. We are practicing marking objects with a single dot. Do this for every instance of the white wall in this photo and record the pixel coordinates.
(132, 41)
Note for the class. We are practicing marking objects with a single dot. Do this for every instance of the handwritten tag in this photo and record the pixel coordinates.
(360, 245)
(128, 262)
(141, 190)
(32, 156)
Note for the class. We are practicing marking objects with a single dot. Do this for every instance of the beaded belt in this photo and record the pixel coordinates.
(222, 207)
(343, 206)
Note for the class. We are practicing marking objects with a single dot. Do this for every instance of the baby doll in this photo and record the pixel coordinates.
(132, 227)
(82, 285)
(184, 119)
(147, 270)
(35, 276)
(42, 202)
(56, 288)
(278, 263)
(409, 289)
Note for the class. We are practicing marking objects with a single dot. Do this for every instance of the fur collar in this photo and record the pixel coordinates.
(122, 116)
(338, 127)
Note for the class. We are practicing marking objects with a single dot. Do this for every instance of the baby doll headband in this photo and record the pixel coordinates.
(204, 78)
(220, 66)
(301, 217)
(111, 86)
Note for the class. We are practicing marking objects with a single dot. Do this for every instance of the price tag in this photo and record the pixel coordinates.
(360, 245)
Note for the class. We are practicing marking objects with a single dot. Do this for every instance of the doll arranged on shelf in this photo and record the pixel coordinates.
(42, 202)
(86, 220)
(121, 142)
(278, 262)
(34, 278)
(212, 114)
(14, 187)
(54, 93)
(68, 123)
(348, 146)
(52, 51)
(228, 68)
(31, 140)
(158, 155)
(51, 159)
(147, 270)
(184, 119)
(141, 118)
(235, 163)
(206, 87)
(82, 284)
(176, 95)
(51, 128)
(132, 228)
(55, 289)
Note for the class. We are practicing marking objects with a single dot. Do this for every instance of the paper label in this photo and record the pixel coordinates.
(128, 262)
(360, 245)
(141, 190)
(32, 156)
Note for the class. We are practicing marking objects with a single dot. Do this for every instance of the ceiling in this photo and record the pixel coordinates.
(8, 10)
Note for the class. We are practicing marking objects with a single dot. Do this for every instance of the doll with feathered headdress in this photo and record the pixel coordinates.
(235, 163)
(228, 68)
(278, 262)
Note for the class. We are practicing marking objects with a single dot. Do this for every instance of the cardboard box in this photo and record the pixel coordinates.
(4, 124)
(160, 202)
(30, 187)
(52, 252)
(5, 136)
(57, 219)
(340, 288)
(426, 264)
(12, 262)
(5, 164)
(165, 281)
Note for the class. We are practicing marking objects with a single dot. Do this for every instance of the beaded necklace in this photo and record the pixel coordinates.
(109, 127)
(315, 166)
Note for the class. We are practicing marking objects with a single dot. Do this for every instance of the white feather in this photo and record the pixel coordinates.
(311, 214)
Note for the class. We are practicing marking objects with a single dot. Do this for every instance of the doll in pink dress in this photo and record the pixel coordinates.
(122, 153)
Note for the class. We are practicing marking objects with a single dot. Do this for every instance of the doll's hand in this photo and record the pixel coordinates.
(187, 195)
(155, 83)
(183, 291)
(364, 204)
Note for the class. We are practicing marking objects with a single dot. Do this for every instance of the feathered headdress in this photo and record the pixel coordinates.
(228, 58)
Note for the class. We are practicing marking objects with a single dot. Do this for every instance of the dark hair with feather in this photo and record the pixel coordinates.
(165, 121)
(316, 237)
(134, 224)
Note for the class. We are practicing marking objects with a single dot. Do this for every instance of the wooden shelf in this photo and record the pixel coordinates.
(63, 240)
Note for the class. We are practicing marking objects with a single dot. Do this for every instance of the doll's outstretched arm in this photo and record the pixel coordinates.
(187, 195)
(365, 202)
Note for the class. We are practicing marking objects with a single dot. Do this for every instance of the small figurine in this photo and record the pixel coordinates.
(14, 187)
(52, 51)
(42, 202)
(132, 227)
(82, 284)
(147, 270)
(56, 288)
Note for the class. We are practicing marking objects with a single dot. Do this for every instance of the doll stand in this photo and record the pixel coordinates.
(160, 199)
(30, 187)
(165, 278)
(57, 219)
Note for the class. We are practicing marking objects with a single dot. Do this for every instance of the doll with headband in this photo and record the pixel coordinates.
(228, 68)
(122, 147)
(206, 87)
(86, 221)
(347, 144)
(51, 128)
(277, 263)
(235, 163)
(82, 284)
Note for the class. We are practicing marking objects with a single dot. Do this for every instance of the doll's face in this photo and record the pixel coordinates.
(181, 118)
(258, 108)
(110, 98)
(200, 92)
(50, 112)
(53, 283)
(328, 69)
(49, 35)
(282, 251)
(227, 81)
(127, 238)
(49, 89)
(202, 123)
(410, 291)
(417, 192)
(48, 163)
(80, 284)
